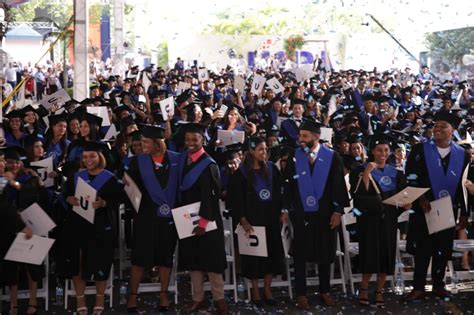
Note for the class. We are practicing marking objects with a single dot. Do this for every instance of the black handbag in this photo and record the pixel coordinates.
(368, 204)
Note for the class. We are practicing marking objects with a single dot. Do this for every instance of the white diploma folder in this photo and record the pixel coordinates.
(253, 244)
(287, 237)
(441, 216)
(406, 196)
(132, 191)
(229, 137)
(186, 218)
(37, 220)
(46, 168)
(86, 195)
(32, 251)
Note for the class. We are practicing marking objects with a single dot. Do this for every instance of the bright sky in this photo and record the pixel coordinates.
(158, 19)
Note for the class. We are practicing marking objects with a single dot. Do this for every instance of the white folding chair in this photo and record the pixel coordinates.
(90, 289)
(351, 249)
(230, 283)
(42, 292)
(156, 286)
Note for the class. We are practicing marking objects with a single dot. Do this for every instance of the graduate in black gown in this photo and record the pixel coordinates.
(89, 247)
(315, 193)
(290, 127)
(437, 164)
(10, 224)
(204, 252)
(154, 233)
(255, 200)
(377, 230)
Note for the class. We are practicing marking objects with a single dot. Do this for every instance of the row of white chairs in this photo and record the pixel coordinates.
(344, 255)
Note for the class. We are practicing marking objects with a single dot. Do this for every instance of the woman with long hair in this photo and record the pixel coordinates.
(14, 134)
(255, 200)
(89, 247)
(377, 227)
(56, 141)
(154, 234)
(33, 125)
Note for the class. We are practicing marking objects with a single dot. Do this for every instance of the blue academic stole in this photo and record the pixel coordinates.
(311, 186)
(290, 126)
(75, 153)
(444, 184)
(163, 198)
(97, 182)
(262, 187)
(188, 180)
(386, 178)
(274, 117)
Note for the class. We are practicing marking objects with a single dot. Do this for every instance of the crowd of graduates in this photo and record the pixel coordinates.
(387, 130)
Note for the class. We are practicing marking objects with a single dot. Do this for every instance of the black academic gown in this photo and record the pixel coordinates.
(418, 237)
(377, 232)
(10, 224)
(206, 252)
(154, 237)
(31, 192)
(96, 242)
(244, 202)
(311, 229)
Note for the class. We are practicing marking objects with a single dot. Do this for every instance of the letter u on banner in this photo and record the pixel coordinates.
(255, 241)
(84, 203)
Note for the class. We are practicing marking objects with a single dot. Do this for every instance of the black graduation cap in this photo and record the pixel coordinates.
(95, 146)
(368, 97)
(153, 132)
(92, 119)
(453, 119)
(381, 138)
(87, 101)
(311, 125)
(136, 135)
(27, 109)
(15, 153)
(14, 114)
(42, 111)
(54, 119)
(298, 101)
(112, 78)
(93, 86)
(254, 141)
(32, 138)
(119, 109)
(184, 96)
(193, 128)
(125, 122)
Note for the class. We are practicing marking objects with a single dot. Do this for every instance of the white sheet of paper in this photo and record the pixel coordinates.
(38, 220)
(32, 251)
(287, 236)
(186, 218)
(203, 74)
(404, 216)
(86, 195)
(141, 98)
(464, 189)
(111, 133)
(254, 244)
(132, 191)
(183, 86)
(59, 98)
(239, 84)
(118, 100)
(146, 81)
(47, 167)
(303, 73)
(257, 84)
(441, 216)
(230, 137)
(167, 107)
(100, 111)
(280, 120)
(326, 134)
(275, 85)
(406, 196)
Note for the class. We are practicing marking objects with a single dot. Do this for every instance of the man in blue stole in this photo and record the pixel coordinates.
(290, 127)
(437, 164)
(315, 194)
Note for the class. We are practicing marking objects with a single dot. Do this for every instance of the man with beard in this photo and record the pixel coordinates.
(315, 194)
